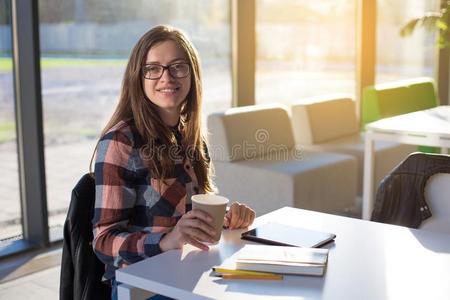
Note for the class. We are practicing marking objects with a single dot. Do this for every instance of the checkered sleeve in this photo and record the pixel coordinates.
(116, 243)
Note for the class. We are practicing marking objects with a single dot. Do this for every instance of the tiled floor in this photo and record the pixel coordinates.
(31, 275)
(39, 285)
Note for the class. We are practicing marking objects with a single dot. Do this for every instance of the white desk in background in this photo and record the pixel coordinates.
(429, 127)
(367, 261)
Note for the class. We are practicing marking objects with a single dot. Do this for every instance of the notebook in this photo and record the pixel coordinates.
(285, 235)
(283, 260)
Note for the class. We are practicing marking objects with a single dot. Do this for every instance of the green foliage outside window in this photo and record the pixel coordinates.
(432, 21)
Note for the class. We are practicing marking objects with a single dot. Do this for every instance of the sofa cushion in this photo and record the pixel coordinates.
(324, 119)
(248, 132)
(315, 181)
(387, 154)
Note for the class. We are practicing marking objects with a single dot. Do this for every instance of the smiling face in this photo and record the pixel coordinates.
(167, 93)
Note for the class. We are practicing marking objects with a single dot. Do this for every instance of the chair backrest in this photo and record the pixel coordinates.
(395, 98)
(404, 199)
(437, 196)
(323, 119)
(81, 270)
(248, 132)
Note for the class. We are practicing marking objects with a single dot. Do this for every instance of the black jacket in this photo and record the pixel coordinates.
(400, 198)
(81, 271)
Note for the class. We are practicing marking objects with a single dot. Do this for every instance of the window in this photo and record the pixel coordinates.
(85, 45)
(404, 57)
(10, 214)
(304, 48)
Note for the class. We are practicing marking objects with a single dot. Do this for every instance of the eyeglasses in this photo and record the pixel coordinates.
(155, 71)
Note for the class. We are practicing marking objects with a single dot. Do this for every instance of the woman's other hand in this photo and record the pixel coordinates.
(239, 216)
(195, 228)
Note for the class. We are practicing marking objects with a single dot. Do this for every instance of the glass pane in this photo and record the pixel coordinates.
(85, 46)
(10, 215)
(404, 57)
(304, 48)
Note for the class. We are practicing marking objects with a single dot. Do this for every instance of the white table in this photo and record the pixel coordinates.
(429, 127)
(368, 260)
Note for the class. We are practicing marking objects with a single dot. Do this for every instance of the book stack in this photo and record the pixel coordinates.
(267, 260)
(282, 259)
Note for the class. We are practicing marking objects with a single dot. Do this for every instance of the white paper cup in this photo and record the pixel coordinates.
(215, 206)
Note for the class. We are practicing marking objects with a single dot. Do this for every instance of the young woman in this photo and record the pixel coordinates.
(152, 157)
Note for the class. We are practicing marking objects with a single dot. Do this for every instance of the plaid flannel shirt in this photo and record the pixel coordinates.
(132, 209)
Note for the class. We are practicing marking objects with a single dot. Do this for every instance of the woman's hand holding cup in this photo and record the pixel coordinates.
(195, 228)
(203, 224)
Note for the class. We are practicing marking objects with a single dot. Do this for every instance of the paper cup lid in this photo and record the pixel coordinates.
(209, 199)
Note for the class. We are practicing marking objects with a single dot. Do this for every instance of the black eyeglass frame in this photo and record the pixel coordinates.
(168, 68)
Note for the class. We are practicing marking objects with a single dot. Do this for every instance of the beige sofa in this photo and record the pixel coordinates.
(256, 162)
(329, 124)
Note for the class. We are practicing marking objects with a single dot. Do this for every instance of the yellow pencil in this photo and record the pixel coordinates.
(252, 277)
(239, 272)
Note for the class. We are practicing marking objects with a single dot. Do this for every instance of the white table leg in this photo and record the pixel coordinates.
(369, 162)
(124, 292)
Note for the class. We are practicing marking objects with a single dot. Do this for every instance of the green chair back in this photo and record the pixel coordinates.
(396, 98)
(391, 99)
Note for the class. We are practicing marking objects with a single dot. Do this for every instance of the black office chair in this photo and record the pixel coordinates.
(81, 270)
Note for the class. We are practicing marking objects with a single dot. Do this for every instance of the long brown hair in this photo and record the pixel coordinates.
(134, 104)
